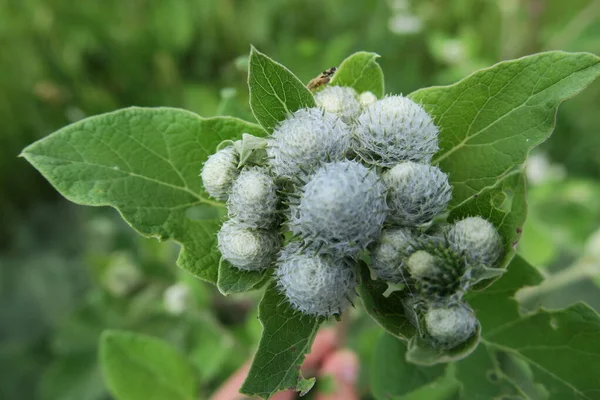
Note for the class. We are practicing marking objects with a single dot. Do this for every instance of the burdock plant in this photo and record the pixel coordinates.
(414, 203)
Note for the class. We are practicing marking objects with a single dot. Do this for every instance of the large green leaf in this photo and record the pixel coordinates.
(519, 375)
(481, 378)
(490, 120)
(287, 337)
(139, 367)
(562, 347)
(542, 355)
(275, 92)
(145, 163)
(361, 72)
(392, 376)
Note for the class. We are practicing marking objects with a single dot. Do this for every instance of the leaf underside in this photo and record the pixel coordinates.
(145, 162)
(232, 280)
(391, 376)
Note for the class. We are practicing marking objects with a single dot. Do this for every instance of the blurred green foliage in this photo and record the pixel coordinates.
(57, 300)
(63, 60)
(66, 273)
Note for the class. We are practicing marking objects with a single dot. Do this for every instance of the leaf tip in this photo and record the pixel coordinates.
(254, 50)
(26, 152)
(221, 289)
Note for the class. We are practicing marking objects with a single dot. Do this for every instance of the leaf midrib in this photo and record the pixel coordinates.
(273, 91)
(30, 156)
(362, 71)
(260, 60)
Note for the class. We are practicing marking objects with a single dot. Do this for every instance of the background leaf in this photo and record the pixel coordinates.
(275, 92)
(481, 377)
(286, 339)
(76, 377)
(361, 72)
(490, 120)
(558, 345)
(139, 367)
(393, 377)
(145, 163)
(542, 355)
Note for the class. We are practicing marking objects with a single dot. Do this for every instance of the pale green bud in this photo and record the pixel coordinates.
(393, 130)
(219, 172)
(366, 99)
(339, 100)
(342, 208)
(450, 326)
(421, 265)
(306, 139)
(390, 252)
(315, 284)
(253, 199)
(416, 193)
(248, 249)
(476, 239)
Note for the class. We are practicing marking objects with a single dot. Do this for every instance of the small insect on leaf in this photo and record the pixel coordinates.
(323, 79)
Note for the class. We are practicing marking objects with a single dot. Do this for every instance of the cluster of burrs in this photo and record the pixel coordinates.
(436, 266)
(339, 183)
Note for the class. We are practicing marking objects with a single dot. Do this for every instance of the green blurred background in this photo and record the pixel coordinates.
(68, 272)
